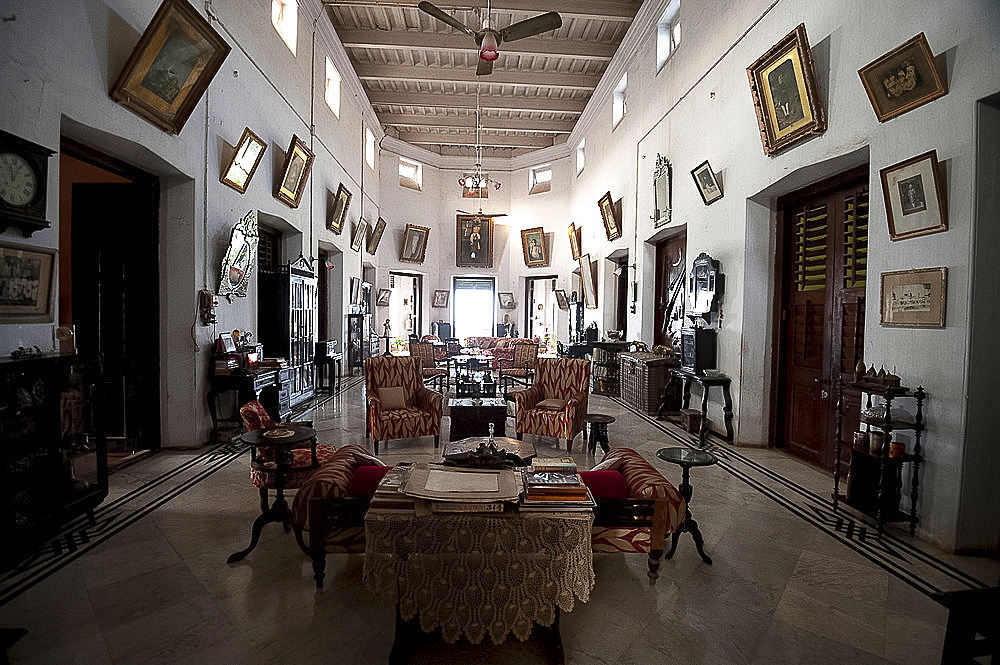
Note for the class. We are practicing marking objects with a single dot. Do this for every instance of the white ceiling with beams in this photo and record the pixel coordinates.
(420, 74)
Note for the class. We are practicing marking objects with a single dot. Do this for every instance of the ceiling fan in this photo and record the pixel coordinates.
(478, 180)
(488, 38)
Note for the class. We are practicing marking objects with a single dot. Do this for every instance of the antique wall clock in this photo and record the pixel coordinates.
(23, 184)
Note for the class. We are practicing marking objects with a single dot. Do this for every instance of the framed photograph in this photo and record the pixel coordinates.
(574, 240)
(170, 67)
(27, 283)
(440, 298)
(414, 244)
(506, 300)
(294, 172)
(785, 96)
(561, 299)
(902, 79)
(589, 282)
(227, 344)
(474, 241)
(358, 238)
(533, 247)
(240, 258)
(246, 157)
(382, 300)
(914, 298)
(914, 197)
(611, 225)
(355, 290)
(708, 184)
(335, 222)
(376, 236)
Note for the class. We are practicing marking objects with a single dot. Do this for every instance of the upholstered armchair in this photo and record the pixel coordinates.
(400, 406)
(520, 369)
(557, 402)
(430, 372)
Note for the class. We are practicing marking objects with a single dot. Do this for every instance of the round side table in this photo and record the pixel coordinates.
(687, 458)
(598, 431)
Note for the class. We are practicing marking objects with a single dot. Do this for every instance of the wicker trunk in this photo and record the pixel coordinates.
(643, 376)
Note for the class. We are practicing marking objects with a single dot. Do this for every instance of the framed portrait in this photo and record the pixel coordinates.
(294, 172)
(170, 67)
(358, 238)
(27, 283)
(414, 244)
(574, 240)
(914, 298)
(355, 290)
(611, 225)
(708, 184)
(376, 237)
(533, 247)
(589, 282)
(440, 298)
(561, 299)
(902, 79)
(474, 241)
(914, 197)
(241, 255)
(335, 222)
(785, 96)
(506, 299)
(245, 160)
(382, 300)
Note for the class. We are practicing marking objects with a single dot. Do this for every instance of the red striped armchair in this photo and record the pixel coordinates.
(400, 406)
(557, 402)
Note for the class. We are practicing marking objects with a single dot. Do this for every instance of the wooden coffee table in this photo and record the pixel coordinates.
(471, 416)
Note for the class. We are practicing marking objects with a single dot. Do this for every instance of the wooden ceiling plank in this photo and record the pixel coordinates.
(539, 79)
(493, 102)
(494, 124)
(380, 39)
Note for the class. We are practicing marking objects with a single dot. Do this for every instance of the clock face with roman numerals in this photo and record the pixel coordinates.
(18, 180)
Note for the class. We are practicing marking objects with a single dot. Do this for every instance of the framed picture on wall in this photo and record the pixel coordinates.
(474, 241)
(574, 240)
(914, 197)
(170, 67)
(376, 236)
(358, 238)
(914, 298)
(355, 290)
(440, 298)
(561, 299)
(589, 282)
(533, 247)
(335, 222)
(708, 184)
(414, 244)
(506, 300)
(785, 95)
(902, 79)
(246, 157)
(27, 280)
(383, 297)
(611, 225)
(294, 173)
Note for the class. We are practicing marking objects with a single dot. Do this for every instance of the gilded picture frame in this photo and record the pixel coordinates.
(611, 226)
(914, 197)
(335, 221)
(294, 172)
(589, 282)
(246, 158)
(785, 94)
(533, 247)
(914, 298)
(171, 66)
(414, 247)
(27, 283)
(574, 240)
(902, 79)
(376, 236)
(473, 241)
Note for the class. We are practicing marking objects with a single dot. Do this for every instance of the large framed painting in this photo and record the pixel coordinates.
(241, 255)
(785, 95)
(246, 157)
(170, 67)
(27, 283)
(474, 241)
(914, 197)
(914, 298)
(294, 173)
(611, 226)
(335, 222)
(376, 237)
(902, 79)
(414, 244)
(589, 282)
(533, 247)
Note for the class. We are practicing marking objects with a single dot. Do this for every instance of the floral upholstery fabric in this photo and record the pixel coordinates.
(421, 417)
(567, 379)
(497, 347)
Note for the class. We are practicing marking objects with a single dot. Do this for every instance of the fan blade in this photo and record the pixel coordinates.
(440, 15)
(484, 68)
(531, 26)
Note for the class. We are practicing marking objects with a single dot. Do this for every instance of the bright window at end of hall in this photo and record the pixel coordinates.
(581, 154)
(284, 18)
(332, 87)
(540, 179)
(618, 101)
(668, 32)
(411, 174)
(369, 149)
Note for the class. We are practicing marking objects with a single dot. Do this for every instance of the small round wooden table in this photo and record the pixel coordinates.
(598, 431)
(687, 458)
(282, 439)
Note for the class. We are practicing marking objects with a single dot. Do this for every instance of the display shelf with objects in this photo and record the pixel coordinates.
(605, 372)
(878, 460)
(292, 329)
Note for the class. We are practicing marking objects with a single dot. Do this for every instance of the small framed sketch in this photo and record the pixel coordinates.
(246, 157)
(902, 79)
(355, 290)
(382, 300)
(294, 173)
(376, 236)
(506, 300)
(27, 283)
(914, 201)
(533, 246)
(561, 299)
(414, 244)
(785, 95)
(335, 222)
(358, 238)
(574, 240)
(611, 226)
(914, 298)
(440, 298)
(708, 184)
(589, 283)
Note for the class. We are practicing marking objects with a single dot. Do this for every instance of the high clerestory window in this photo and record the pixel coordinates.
(668, 32)
(284, 18)
(618, 106)
(540, 179)
(369, 149)
(332, 94)
(411, 173)
(581, 155)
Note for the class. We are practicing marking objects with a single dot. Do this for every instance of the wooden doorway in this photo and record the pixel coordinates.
(823, 237)
(671, 268)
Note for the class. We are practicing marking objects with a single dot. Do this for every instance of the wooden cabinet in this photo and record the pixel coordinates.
(290, 328)
(53, 448)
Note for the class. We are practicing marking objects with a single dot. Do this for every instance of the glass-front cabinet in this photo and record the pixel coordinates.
(292, 328)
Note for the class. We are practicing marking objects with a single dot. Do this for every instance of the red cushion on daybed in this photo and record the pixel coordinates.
(366, 479)
(607, 484)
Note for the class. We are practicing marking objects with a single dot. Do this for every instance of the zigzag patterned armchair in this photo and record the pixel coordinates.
(557, 403)
(399, 405)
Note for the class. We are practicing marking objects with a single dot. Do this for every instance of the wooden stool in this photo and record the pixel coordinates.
(598, 431)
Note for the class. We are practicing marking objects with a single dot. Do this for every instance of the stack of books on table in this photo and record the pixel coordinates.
(564, 464)
(554, 490)
(388, 494)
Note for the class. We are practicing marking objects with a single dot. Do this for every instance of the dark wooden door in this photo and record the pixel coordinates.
(823, 273)
(670, 290)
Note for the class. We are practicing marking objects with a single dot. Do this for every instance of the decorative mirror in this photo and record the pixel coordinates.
(238, 263)
(705, 288)
(661, 191)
